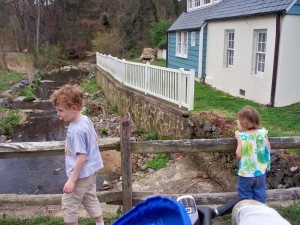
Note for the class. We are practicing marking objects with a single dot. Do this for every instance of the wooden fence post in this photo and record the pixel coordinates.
(191, 90)
(126, 162)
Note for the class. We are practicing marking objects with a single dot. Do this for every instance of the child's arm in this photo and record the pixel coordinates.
(268, 144)
(238, 151)
(269, 147)
(69, 185)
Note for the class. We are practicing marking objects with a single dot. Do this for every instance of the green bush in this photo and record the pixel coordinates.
(49, 57)
(160, 161)
(91, 86)
(140, 131)
(9, 120)
(103, 130)
(108, 42)
(159, 33)
(28, 92)
(150, 136)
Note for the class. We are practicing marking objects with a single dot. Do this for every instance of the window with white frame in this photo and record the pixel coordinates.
(193, 39)
(229, 53)
(182, 44)
(191, 4)
(260, 51)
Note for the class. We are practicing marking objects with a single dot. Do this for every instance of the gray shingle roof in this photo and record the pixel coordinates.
(228, 9)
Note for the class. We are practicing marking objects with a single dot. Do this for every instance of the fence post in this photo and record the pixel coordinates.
(191, 89)
(123, 71)
(146, 84)
(181, 70)
(97, 58)
(126, 163)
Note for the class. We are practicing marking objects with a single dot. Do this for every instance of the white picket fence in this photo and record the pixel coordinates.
(176, 86)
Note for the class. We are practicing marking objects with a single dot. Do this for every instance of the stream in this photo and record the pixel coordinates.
(41, 175)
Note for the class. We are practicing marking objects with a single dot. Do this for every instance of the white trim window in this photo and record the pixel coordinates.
(193, 38)
(194, 4)
(260, 51)
(182, 44)
(229, 48)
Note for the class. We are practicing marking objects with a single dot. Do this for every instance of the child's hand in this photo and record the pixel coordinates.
(69, 186)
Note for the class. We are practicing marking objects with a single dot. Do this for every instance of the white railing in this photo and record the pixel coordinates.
(176, 86)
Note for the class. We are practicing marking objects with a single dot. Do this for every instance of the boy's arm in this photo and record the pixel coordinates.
(238, 151)
(69, 185)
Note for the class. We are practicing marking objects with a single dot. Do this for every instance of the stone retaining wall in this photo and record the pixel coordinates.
(146, 111)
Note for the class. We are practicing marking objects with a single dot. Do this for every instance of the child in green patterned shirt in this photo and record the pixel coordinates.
(253, 149)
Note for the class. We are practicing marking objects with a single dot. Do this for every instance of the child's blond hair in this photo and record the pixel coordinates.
(249, 118)
(68, 96)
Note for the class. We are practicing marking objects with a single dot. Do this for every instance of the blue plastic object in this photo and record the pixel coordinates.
(156, 210)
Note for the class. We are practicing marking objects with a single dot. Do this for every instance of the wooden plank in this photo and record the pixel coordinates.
(291, 194)
(55, 199)
(206, 145)
(222, 198)
(115, 197)
(126, 163)
(38, 149)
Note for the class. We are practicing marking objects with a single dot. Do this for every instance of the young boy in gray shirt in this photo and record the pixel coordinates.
(82, 156)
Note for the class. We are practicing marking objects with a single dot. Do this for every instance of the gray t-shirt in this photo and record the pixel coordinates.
(81, 138)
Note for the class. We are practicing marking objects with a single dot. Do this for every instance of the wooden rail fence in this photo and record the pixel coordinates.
(127, 198)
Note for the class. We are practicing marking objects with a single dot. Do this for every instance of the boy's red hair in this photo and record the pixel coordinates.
(68, 96)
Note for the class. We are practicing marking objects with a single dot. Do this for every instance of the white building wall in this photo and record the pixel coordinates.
(240, 76)
(288, 80)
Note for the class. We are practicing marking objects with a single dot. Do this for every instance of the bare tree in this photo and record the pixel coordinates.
(2, 50)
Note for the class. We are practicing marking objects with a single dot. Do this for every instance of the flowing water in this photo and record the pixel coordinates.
(36, 175)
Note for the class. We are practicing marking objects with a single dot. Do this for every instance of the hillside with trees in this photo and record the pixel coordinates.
(60, 29)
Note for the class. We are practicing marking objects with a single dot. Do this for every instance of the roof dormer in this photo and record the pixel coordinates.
(197, 4)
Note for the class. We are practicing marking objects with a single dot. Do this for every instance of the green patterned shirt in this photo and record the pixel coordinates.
(255, 159)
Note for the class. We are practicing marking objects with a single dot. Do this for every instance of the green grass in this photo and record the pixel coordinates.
(152, 135)
(8, 78)
(9, 119)
(91, 86)
(283, 121)
(41, 220)
(158, 162)
(28, 92)
(157, 62)
(290, 213)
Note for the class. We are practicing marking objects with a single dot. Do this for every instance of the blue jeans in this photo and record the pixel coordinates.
(252, 188)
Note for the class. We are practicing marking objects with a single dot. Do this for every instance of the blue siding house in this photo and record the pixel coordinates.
(245, 48)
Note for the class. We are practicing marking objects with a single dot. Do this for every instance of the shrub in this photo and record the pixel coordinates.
(160, 161)
(159, 33)
(103, 130)
(152, 135)
(91, 86)
(28, 92)
(49, 57)
(9, 120)
(108, 42)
